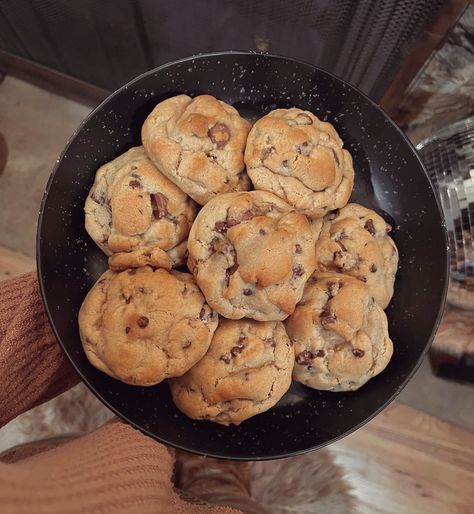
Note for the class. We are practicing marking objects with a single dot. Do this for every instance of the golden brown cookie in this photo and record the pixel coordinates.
(142, 326)
(251, 254)
(198, 143)
(300, 158)
(136, 215)
(340, 334)
(355, 241)
(246, 370)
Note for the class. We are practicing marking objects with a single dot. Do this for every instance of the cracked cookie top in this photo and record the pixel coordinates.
(246, 370)
(355, 241)
(136, 215)
(340, 334)
(293, 154)
(251, 254)
(142, 326)
(198, 143)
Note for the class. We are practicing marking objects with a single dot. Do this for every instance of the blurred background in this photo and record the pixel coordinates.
(59, 59)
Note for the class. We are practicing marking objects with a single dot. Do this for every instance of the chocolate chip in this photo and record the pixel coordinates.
(99, 199)
(298, 270)
(134, 184)
(202, 314)
(358, 353)
(337, 256)
(369, 226)
(327, 317)
(373, 268)
(242, 216)
(186, 344)
(336, 158)
(266, 152)
(235, 350)
(142, 321)
(213, 158)
(247, 376)
(127, 299)
(229, 272)
(225, 358)
(220, 226)
(159, 204)
(219, 134)
(239, 346)
(305, 358)
(320, 353)
(332, 215)
(285, 163)
(247, 292)
(362, 278)
(298, 248)
(262, 232)
(303, 119)
(127, 330)
(303, 148)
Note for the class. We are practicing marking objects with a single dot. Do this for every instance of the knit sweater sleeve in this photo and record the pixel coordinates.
(33, 368)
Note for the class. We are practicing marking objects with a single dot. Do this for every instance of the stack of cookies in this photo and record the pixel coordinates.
(236, 263)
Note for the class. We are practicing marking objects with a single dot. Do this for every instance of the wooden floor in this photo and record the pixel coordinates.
(404, 461)
(407, 462)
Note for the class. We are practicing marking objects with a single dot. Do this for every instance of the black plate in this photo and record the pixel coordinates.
(389, 178)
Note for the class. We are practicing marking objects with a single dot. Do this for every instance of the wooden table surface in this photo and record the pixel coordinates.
(404, 461)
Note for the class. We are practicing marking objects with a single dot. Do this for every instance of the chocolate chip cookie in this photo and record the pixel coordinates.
(340, 334)
(246, 370)
(355, 241)
(136, 215)
(293, 154)
(251, 254)
(142, 326)
(198, 143)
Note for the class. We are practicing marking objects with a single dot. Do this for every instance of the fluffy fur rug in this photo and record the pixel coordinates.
(309, 484)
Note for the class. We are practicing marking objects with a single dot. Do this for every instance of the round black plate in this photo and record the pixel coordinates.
(389, 178)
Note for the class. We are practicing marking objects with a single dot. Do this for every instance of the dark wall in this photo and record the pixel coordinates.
(107, 42)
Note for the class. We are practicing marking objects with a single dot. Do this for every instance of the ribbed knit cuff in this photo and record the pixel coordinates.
(115, 470)
(33, 368)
